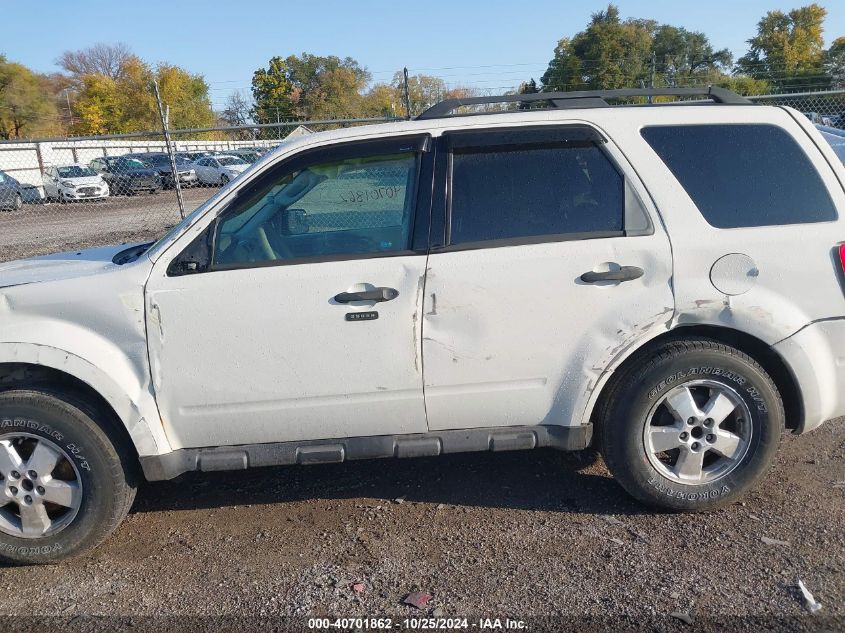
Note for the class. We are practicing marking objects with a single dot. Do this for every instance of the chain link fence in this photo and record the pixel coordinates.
(71, 193)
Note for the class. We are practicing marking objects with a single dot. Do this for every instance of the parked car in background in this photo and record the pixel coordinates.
(819, 119)
(161, 163)
(219, 170)
(248, 155)
(836, 138)
(192, 156)
(74, 182)
(11, 192)
(127, 176)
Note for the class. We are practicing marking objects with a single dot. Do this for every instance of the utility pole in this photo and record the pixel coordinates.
(653, 71)
(166, 129)
(407, 93)
(69, 111)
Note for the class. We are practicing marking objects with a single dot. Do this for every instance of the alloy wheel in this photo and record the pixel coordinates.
(40, 489)
(698, 432)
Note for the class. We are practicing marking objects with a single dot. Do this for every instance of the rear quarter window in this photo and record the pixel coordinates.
(743, 175)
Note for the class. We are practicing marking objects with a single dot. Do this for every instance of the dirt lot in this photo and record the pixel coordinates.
(39, 229)
(520, 535)
(541, 536)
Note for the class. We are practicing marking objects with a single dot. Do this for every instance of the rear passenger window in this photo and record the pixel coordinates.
(523, 191)
(743, 175)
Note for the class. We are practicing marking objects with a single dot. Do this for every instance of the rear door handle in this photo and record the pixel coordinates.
(376, 294)
(626, 273)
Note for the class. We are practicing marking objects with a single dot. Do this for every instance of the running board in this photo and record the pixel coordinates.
(170, 465)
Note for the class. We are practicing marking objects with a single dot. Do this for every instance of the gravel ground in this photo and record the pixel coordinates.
(52, 228)
(521, 535)
(545, 537)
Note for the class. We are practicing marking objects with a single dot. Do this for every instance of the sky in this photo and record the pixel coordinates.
(491, 45)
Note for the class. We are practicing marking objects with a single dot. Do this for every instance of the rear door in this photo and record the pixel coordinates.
(549, 264)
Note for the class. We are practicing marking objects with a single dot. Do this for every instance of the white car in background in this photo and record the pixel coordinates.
(74, 182)
(219, 170)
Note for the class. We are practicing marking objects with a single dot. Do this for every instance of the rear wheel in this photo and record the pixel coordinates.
(693, 427)
(64, 484)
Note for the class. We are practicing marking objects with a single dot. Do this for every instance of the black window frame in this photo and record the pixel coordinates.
(515, 139)
(420, 211)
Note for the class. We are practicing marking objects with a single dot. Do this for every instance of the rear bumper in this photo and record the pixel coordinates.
(816, 356)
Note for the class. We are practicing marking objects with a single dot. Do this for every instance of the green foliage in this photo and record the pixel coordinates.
(308, 86)
(108, 105)
(616, 53)
(26, 110)
(788, 50)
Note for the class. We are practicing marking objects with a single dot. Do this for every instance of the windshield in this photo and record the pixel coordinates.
(75, 171)
(130, 163)
(231, 160)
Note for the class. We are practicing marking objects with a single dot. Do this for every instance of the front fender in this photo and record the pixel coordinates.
(128, 397)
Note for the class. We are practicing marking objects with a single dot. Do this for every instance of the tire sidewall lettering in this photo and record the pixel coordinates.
(76, 451)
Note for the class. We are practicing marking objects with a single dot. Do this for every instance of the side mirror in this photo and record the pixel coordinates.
(294, 222)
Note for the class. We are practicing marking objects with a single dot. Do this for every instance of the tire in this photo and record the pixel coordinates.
(652, 449)
(99, 478)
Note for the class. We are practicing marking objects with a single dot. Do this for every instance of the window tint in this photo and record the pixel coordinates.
(743, 175)
(355, 206)
(529, 192)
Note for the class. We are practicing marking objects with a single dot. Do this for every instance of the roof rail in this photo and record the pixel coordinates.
(585, 98)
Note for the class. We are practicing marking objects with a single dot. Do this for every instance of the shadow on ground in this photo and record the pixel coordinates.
(542, 480)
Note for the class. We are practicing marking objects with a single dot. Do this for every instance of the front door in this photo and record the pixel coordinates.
(305, 324)
(550, 266)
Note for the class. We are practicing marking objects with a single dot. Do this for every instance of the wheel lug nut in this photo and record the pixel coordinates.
(695, 446)
(32, 474)
(708, 422)
(684, 436)
(28, 499)
(13, 490)
(711, 438)
(40, 490)
(15, 474)
(691, 421)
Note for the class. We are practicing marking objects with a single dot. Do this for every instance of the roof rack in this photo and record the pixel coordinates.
(585, 98)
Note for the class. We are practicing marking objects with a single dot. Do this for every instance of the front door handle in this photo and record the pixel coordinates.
(376, 294)
(626, 273)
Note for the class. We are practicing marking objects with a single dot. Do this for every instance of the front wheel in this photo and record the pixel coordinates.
(65, 485)
(693, 427)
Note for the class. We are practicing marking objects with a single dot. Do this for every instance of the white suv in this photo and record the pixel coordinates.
(662, 281)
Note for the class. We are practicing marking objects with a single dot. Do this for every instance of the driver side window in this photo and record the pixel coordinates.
(355, 206)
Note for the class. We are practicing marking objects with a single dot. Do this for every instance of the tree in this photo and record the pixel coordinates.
(609, 54)
(382, 100)
(272, 92)
(108, 60)
(106, 105)
(687, 57)
(615, 53)
(788, 50)
(237, 110)
(309, 86)
(26, 109)
(835, 63)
